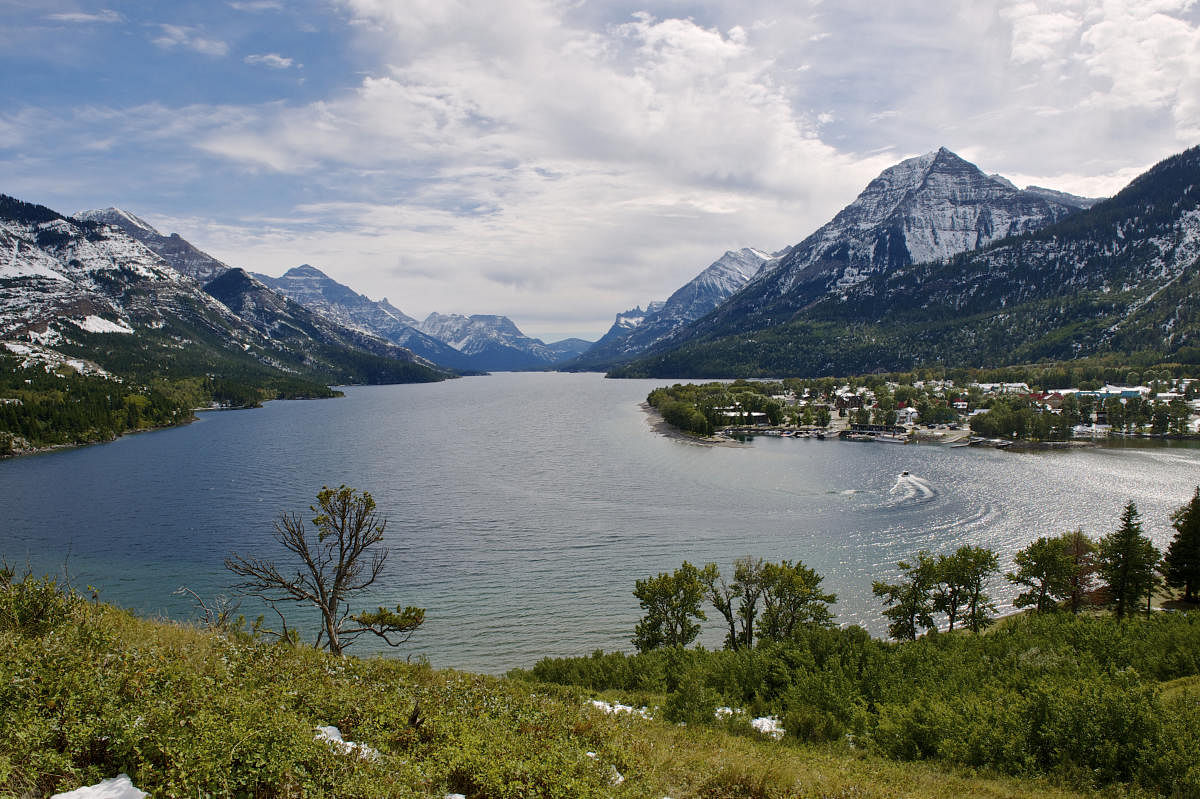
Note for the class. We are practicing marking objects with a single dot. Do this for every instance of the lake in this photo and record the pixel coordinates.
(523, 506)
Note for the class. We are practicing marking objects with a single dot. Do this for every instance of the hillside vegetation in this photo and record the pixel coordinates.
(88, 691)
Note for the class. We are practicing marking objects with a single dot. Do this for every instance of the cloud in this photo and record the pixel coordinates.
(255, 6)
(105, 16)
(271, 60)
(541, 157)
(174, 36)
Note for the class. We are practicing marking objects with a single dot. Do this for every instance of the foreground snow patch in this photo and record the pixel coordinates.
(764, 725)
(119, 787)
(768, 726)
(333, 736)
(616, 707)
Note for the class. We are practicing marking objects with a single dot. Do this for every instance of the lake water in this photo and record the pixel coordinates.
(522, 507)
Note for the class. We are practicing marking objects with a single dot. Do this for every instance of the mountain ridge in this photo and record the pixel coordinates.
(1121, 276)
(930, 207)
(635, 331)
(90, 290)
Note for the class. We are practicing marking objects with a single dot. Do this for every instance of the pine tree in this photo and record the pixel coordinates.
(1181, 566)
(1127, 562)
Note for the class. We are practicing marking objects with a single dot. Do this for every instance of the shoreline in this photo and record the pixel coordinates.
(665, 429)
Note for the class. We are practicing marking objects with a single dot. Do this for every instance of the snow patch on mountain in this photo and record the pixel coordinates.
(98, 324)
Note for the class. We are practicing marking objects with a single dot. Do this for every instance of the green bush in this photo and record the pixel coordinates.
(1075, 697)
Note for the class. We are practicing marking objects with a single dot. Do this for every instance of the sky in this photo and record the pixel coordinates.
(559, 161)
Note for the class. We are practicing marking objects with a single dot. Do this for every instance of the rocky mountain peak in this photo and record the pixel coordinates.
(119, 217)
(305, 271)
(923, 209)
(175, 250)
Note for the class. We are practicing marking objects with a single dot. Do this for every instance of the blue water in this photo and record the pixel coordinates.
(522, 507)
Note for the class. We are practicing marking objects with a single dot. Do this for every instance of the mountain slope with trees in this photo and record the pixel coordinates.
(1119, 277)
(84, 300)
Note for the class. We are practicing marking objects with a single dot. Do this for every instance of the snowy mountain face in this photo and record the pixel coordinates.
(66, 280)
(55, 270)
(635, 331)
(317, 291)
(180, 254)
(1122, 276)
(310, 286)
(493, 341)
(924, 209)
(281, 318)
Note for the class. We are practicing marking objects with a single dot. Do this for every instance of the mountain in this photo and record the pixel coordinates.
(257, 300)
(317, 291)
(475, 343)
(568, 348)
(1122, 276)
(180, 254)
(923, 209)
(83, 289)
(281, 318)
(635, 331)
(494, 342)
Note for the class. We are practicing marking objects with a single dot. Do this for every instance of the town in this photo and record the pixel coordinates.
(903, 408)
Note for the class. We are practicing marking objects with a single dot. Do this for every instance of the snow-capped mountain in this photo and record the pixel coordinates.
(476, 343)
(635, 331)
(490, 339)
(65, 280)
(302, 302)
(317, 291)
(179, 253)
(1122, 276)
(923, 209)
(311, 287)
(56, 270)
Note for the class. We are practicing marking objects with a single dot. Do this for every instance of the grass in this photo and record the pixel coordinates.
(88, 691)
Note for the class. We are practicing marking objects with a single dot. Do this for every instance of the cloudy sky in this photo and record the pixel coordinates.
(558, 161)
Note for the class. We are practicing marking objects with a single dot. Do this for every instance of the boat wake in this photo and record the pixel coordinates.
(910, 489)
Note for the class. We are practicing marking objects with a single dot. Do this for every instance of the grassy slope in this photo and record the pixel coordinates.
(87, 691)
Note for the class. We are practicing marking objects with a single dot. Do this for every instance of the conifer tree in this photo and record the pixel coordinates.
(1127, 562)
(1181, 566)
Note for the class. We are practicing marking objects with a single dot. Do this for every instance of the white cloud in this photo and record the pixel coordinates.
(173, 36)
(1038, 36)
(255, 6)
(540, 157)
(272, 60)
(1148, 58)
(106, 16)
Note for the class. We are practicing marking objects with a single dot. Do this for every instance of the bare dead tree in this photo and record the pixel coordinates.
(216, 616)
(342, 559)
